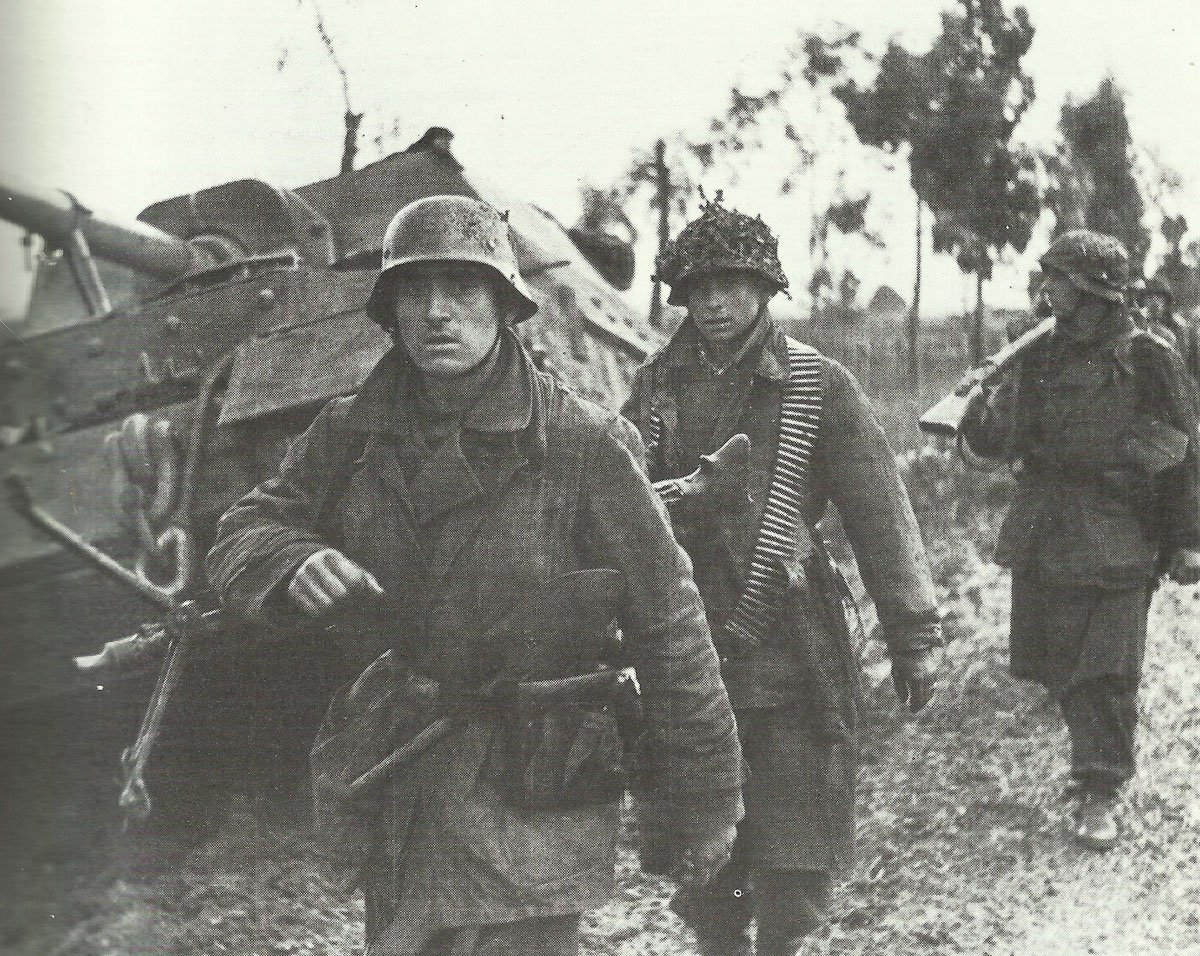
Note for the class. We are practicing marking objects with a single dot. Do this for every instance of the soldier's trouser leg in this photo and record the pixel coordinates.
(786, 904)
(720, 913)
(1101, 716)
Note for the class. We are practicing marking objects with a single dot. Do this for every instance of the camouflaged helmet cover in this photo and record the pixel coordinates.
(1093, 262)
(1159, 287)
(448, 229)
(720, 239)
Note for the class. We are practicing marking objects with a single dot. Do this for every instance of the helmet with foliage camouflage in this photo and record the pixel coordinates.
(1093, 262)
(720, 239)
(448, 229)
(1162, 288)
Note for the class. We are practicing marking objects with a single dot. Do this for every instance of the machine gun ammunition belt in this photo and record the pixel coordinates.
(799, 421)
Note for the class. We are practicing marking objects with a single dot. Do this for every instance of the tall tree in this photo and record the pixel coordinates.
(956, 107)
(1094, 171)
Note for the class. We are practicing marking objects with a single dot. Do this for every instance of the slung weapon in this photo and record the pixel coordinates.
(945, 418)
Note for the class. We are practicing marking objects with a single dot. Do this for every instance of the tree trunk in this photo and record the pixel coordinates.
(350, 141)
(663, 202)
(977, 323)
(914, 316)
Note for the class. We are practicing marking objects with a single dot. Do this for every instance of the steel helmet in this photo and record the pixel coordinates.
(1093, 262)
(720, 239)
(448, 229)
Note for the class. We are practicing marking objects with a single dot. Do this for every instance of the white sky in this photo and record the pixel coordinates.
(125, 102)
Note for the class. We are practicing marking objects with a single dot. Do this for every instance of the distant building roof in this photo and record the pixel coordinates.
(886, 299)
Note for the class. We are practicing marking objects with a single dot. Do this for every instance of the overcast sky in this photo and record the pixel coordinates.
(125, 102)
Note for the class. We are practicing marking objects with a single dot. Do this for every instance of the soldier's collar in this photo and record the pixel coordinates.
(506, 407)
(767, 338)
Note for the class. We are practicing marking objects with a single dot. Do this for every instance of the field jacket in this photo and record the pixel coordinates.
(537, 484)
(1096, 504)
(852, 466)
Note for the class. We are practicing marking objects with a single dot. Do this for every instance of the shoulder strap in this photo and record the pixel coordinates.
(799, 422)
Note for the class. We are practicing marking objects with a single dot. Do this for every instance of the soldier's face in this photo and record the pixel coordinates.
(1067, 303)
(448, 315)
(1061, 293)
(724, 305)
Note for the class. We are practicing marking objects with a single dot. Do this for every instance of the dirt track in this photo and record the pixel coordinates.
(961, 842)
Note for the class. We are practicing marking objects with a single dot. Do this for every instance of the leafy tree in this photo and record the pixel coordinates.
(955, 107)
(667, 175)
(1093, 171)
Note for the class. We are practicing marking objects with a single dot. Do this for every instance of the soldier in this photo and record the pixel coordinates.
(1096, 420)
(460, 491)
(774, 600)
(1158, 308)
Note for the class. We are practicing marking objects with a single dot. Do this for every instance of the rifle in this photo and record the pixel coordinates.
(945, 418)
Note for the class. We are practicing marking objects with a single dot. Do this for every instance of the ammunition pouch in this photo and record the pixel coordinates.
(563, 753)
(360, 728)
(558, 740)
(1153, 446)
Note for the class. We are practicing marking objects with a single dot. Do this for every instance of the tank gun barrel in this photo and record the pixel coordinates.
(55, 215)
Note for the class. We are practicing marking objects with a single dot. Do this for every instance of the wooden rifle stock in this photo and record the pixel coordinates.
(945, 418)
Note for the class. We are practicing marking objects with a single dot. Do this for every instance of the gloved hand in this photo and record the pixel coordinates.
(326, 580)
(915, 674)
(703, 858)
(1185, 566)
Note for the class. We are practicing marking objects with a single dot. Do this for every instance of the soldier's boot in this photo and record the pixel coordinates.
(792, 910)
(808, 944)
(720, 921)
(783, 947)
(1096, 826)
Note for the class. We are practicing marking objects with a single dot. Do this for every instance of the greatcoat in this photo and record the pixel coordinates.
(800, 787)
(538, 483)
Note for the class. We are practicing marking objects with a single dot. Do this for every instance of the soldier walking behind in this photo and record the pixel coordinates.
(1099, 425)
(774, 599)
(1156, 312)
(470, 778)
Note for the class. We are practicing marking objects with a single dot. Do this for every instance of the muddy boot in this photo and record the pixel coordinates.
(1096, 823)
(720, 922)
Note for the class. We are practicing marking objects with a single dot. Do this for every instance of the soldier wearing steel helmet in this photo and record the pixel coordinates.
(1098, 423)
(494, 525)
(1156, 311)
(774, 600)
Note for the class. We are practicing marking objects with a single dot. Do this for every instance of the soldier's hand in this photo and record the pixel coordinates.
(704, 858)
(1185, 566)
(669, 490)
(915, 676)
(326, 580)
